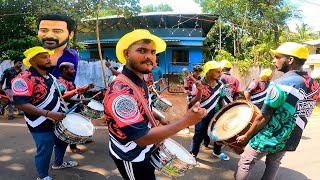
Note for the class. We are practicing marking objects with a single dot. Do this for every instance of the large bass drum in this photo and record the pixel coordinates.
(232, 121)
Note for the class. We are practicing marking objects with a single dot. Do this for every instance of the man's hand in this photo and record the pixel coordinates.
(56, 116)
(81, 90)
(243, 139)
(108, 64)
(195, 114)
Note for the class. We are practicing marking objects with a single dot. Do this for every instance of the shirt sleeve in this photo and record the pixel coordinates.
(274, 99)
(3, 76)
(22, 90)
(252, 86)
(124, 109)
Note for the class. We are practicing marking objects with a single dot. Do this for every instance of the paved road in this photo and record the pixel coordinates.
(17, 151)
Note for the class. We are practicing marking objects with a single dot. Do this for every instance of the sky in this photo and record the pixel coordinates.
(309, 10)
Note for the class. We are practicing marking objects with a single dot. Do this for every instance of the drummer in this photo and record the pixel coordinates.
(71, 92)
(285, 113)
(35, 94)
(210, 92)
(131, 137)
(257, 90)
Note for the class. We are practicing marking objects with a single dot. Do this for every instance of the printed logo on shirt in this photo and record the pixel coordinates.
(126, 109)
(20, 87)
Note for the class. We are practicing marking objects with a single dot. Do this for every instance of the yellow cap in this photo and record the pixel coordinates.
(292, 49)
(210, 65)
(134, 36)
(265, 74)
(31, 52)
(225, 64)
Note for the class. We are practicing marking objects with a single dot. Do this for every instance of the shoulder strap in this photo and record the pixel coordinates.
(146, 108)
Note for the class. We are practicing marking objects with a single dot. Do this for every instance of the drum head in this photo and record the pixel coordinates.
(93, 104)
(176, 149)
(232, 122)
(78, 124)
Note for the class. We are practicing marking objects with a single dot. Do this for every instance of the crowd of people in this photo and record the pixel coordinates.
(46, 90)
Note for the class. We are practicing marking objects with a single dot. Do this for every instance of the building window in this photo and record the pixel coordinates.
(95, 54)
(180, 57)
(318, 51)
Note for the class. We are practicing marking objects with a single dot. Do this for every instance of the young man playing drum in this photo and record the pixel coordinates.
(210, 91)
(257, 90)
(285, 113)
(71, 92)
(35, 93)
(127, 112)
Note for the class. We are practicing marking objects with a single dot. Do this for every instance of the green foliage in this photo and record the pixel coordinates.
(157, 8)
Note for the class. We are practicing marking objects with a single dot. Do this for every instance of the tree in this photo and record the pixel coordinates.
(157, 8)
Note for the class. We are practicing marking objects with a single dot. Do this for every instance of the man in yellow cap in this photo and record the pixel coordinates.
(132, 129)
(257, 90)
(230, 81)
(286, 110)
(210, 91)
(35, 93)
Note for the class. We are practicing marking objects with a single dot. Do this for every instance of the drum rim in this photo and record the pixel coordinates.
(224, 109)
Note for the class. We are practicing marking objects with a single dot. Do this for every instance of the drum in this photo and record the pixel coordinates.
(162, 104)
(94, 110)
(171, 159)
(232, 121)
(158, 113)
(74, 129)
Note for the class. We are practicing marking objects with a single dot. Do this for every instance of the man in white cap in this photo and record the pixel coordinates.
(34, 92)
(127, 113)
(286, 110)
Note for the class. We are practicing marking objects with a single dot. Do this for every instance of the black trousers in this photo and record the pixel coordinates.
(135, 170)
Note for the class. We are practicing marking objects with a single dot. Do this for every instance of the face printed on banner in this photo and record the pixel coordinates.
(53, 34)
(141, 56)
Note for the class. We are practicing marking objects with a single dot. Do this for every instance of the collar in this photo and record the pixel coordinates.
(34, 72)
(227, 73)
(133, 77)
(66, 78)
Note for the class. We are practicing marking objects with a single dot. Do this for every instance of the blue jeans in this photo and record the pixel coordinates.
(10, 105)
(45, 142)
(200, 133)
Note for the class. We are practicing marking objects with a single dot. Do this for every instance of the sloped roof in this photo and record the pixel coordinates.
(313, 59)
(151, 20)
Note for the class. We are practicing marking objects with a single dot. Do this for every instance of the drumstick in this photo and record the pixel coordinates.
(94, 96)
(187, 73)
(71, 109)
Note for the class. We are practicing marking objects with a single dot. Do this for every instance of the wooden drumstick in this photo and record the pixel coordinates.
(187, 73)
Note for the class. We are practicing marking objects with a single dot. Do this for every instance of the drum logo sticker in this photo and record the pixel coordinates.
(19, 86)
(126, 109)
